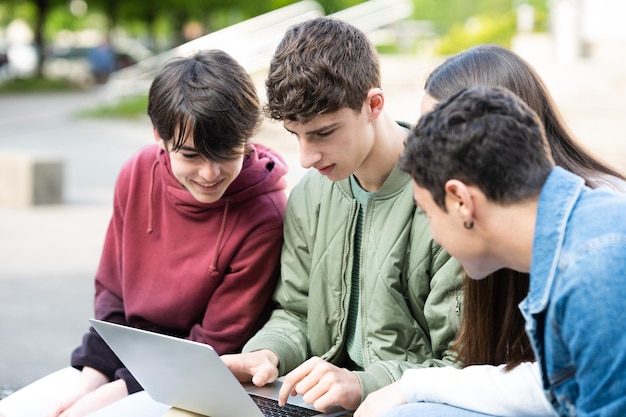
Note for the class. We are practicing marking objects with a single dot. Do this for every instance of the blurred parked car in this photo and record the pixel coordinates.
(72, 63)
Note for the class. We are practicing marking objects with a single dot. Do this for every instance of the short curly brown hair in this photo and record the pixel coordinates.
(321, 66)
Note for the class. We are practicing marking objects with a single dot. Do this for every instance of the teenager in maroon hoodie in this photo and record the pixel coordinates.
(193, 247)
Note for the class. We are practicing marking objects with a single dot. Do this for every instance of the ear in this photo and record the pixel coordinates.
(459, 200)
(159, 140)
(375, 101)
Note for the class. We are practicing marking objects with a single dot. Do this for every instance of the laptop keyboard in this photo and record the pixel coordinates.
(270, 408)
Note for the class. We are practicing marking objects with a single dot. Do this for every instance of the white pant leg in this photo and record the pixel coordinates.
(40, 397)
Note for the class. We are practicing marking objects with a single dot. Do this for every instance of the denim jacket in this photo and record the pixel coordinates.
(576, 306)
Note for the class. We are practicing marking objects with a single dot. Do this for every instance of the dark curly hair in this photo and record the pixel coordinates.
(484, 136)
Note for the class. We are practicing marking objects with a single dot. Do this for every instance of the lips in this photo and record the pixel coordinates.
(207, 186)
(326, 170)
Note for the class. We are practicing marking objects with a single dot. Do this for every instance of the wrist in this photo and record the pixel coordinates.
(90, 380)
(271, 356)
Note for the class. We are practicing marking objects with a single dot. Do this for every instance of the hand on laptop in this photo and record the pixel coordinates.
(260, 367)
(322, 384)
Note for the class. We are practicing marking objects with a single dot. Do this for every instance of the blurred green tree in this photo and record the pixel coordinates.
(42, 10)
(460, 24)
(167, 23)
(447, 13)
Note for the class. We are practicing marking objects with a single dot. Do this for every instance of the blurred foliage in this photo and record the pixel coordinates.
(498, 29)
(161, 21)
(461, 24)
(447, 13)
(486, 28)
(440, 26)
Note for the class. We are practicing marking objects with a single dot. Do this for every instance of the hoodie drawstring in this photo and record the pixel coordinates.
(213, 270)
(150, 199)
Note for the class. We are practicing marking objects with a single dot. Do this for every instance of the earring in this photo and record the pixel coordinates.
(468, 226)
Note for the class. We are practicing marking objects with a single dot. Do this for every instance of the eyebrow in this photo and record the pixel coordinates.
(188, 149)
(318, 130)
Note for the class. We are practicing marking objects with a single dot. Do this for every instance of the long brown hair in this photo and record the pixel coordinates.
(492, 328)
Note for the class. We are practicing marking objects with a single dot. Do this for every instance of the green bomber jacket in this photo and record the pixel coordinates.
(410, 286)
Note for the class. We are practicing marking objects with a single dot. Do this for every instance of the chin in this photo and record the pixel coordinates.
(207, 199)
(338, 176)
(477, 272)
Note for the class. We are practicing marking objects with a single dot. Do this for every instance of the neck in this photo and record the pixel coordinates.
(512, 229)
(388, 145)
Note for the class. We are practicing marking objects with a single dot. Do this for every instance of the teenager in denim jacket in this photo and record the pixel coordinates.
(499, 364)
(484, 176)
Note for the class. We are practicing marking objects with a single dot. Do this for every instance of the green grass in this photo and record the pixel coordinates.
(36, 85)
(129, 108)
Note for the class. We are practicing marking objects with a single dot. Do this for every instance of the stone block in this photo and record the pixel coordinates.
(30, 178)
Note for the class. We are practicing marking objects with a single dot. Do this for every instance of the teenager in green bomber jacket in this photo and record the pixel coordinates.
(365, 292)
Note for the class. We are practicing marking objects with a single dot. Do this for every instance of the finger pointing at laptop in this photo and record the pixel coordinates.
(322, 384)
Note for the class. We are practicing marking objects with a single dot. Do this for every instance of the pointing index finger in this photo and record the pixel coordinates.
(291, 379)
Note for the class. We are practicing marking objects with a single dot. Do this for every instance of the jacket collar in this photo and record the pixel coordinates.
(556, 203)
(395, 183)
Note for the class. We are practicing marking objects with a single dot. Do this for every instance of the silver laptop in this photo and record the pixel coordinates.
(191, 376)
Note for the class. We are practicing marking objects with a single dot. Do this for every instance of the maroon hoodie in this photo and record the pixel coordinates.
(173, 265)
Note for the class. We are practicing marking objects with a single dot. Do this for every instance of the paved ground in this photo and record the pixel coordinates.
(48, 255)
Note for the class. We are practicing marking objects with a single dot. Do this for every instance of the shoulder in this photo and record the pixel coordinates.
(145, 156)
(608, 182)
(599, 210)
(138, 166)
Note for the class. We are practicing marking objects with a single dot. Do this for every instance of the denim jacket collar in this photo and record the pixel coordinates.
(556, 202)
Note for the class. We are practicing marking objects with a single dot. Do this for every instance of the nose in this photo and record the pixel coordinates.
(309, 156)
(209, 170)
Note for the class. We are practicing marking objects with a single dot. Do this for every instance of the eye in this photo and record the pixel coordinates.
(325, 133)
(188, 155)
